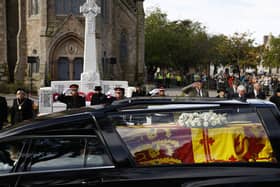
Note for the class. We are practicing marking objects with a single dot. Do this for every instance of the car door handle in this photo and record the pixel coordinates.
(94, 181)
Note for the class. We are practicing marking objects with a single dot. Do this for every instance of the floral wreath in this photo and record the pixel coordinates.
(204, 119)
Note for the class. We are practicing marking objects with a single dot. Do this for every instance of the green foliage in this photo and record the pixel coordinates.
(177, 44)
(184, 43)
(242, 50)
(272, 53)
(219, 51)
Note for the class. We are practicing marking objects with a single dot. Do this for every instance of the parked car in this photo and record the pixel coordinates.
(149, 141)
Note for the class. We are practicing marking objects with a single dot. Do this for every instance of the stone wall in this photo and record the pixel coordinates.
(140, 43)
(3, 43)
(35, 34)
(124, 20)
(21, 64)
(3, 31)
(3, 73)
(33, 45)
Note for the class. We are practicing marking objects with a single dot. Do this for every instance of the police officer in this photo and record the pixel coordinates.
(72, 99)
(98, 97)
(22, 108)
(118, 95)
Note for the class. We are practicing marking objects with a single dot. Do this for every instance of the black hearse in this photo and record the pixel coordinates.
(165, 141)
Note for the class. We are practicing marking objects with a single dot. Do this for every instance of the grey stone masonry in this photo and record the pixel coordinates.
(3, 53)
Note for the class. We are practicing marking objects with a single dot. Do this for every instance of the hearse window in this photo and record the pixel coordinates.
(9, 155)
(65, 153)
(70, 124)
(198, 136)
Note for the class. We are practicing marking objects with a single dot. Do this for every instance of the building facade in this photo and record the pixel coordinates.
(43, 40)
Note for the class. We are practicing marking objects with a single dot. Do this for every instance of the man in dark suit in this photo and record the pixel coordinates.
(3, 111)
(232, 90)
(195, 90)
(256, 92)
(98, 97)
(138, 92)
(275, 98)
(22, 108)
(72, 99)
(222, 93)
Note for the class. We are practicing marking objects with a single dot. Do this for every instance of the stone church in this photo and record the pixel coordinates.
(42, 40)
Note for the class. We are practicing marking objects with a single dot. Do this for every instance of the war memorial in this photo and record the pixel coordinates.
(90, 77)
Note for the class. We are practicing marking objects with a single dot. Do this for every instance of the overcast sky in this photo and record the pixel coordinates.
(259, 17)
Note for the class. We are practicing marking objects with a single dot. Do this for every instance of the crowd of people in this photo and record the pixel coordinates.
(228, 86)
(73, 99)
(240, 87)
(23, 107)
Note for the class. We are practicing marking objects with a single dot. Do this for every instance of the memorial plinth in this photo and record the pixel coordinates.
(90, 77)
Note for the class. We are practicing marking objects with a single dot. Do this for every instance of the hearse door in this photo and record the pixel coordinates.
(67, 160)
(8, 180)
(256, 181)
(11, 160)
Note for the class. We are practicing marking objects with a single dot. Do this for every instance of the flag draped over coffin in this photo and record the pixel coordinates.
(151, 145)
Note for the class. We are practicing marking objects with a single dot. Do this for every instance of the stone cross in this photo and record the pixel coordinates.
(90, 70)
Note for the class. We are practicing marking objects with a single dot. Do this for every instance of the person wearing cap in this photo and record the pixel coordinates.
(275, 98)
(3, 111)
(195, 90)
(98, 97)
(222, 93)
(22, 107)
(118, 95)
(73, 99)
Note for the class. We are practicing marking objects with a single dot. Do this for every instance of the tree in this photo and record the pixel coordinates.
(272, 53)
(182, 44)
(178, 44)
(155, 37)
(243, 53)
(219, 51)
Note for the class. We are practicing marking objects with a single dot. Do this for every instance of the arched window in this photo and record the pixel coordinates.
(123, 48)
(78, 68)
(104, 10)
(65, 7)
(63, 68)
(34, 7)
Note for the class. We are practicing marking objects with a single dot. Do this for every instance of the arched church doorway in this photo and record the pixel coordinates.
(67, 59)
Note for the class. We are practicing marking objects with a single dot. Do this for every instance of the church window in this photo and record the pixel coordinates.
(104, 10)
(78, 68)
(123, 47)
(63, 68)
(34, 7)
(64, 7)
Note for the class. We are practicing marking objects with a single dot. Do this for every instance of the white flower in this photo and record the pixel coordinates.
(205, 124)
(204, 119)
